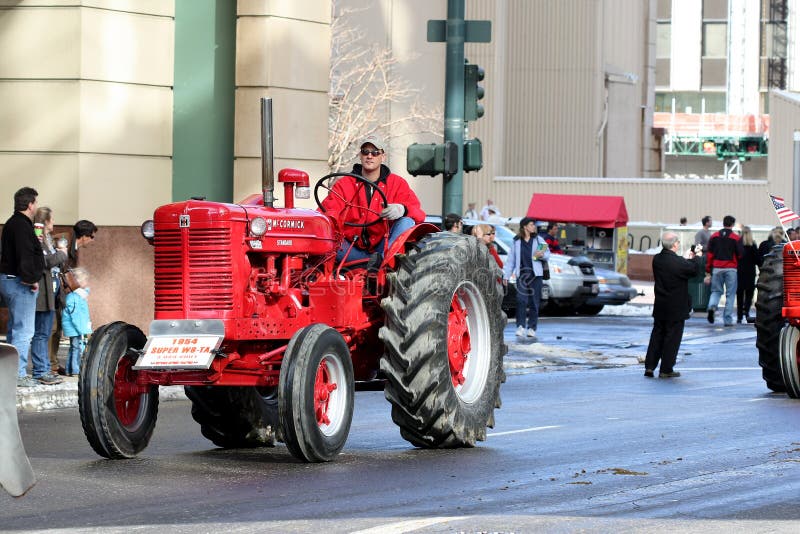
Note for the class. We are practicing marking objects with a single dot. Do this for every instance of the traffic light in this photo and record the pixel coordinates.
(432, 159)
(473, 92)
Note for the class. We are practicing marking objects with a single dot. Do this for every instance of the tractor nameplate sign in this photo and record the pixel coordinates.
(178, 352)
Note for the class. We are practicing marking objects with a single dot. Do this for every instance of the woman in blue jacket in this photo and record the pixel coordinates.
(525, 262)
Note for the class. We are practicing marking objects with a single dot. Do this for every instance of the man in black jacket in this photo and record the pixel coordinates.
(672, 305)
(21, 266)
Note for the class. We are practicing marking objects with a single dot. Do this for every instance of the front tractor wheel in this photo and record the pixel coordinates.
(315, 393)
(769, 321)
(118, 414)
(790, 337)
(444, 339)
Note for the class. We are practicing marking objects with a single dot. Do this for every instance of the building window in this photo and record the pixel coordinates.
(715, 39)
(686, 102)
(663, 40)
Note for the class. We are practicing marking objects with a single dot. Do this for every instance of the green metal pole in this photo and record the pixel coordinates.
(454, 103)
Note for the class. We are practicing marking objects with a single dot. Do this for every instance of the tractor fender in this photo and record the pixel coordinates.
(16, 473)
(409, 236)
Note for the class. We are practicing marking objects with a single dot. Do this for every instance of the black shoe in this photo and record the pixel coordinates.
(738, 320)
(711, 315)
(648, 373)
(671, 374)
(61, 371)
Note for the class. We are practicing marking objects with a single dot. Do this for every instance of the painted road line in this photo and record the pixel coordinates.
(532, 429)
(719, 369)
(408, 526)
(705, 339)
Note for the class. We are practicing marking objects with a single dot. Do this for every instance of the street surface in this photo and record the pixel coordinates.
(581, 443)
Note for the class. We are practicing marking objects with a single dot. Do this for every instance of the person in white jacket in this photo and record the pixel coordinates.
(525, 262)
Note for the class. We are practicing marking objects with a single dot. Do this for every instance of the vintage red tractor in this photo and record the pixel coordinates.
(778, 319)
(271, 335)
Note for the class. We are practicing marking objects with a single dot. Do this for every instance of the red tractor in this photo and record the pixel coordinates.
(271, 335)
(778, 319)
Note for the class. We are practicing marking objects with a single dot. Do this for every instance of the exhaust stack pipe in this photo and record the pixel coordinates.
(267, 162)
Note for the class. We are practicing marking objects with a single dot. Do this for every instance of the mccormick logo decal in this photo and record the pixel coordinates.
(285, 224)
(183, 221)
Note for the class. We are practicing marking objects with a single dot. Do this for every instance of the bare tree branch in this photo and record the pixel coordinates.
(364, 84)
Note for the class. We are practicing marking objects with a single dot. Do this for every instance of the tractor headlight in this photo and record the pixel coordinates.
(148, 229)
(302, 192)
(258, 226)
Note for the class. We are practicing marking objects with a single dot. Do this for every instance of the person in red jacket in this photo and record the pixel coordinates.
(722, 259)
(352, 201)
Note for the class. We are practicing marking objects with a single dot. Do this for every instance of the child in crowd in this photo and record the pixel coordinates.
(75, 320)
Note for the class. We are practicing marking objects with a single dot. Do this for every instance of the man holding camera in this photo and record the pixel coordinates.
(672, 304)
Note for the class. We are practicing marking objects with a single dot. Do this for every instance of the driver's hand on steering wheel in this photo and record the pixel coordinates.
(393, 211)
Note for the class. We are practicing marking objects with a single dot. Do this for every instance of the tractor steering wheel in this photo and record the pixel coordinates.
(321, 184)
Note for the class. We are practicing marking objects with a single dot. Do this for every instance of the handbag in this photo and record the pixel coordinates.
(545, 270)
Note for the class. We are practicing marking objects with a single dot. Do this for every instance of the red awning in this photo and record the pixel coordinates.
(588, 210)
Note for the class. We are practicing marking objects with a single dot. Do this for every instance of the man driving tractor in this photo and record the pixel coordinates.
(389, 202)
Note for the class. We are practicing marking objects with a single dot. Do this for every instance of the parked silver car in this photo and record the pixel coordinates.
(572, 280)
(615, 289)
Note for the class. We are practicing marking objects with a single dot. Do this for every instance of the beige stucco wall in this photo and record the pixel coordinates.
(86, 106)
(282, 52)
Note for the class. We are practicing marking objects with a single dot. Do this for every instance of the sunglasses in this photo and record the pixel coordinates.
(368, 152)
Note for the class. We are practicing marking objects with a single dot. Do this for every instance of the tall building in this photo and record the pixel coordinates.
(716, 62)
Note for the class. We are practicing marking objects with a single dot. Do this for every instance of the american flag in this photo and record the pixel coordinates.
(784, 214)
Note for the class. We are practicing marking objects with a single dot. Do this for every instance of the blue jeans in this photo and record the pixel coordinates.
(21, 302)
(529, 295)
(720, 277)
(76, 346)
(398, 227)
(41, 341)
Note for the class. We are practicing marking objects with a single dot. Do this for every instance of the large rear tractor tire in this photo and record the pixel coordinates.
(444, 339)
(235, 417)
(769, 321)
(118, 415)
(790, 371)
(315, 393)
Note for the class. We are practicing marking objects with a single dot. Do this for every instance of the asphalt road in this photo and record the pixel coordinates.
(581, 446)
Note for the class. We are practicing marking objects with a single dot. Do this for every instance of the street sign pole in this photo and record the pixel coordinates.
(454, 32)
(452, 191)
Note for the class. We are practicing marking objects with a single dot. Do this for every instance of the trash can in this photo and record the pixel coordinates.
(698, 291)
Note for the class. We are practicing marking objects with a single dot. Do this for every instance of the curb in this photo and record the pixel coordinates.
(65, 395)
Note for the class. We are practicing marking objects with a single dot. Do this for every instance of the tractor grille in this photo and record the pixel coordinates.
(791, 278)
(210, 276)
(168, 271)
(204, 282)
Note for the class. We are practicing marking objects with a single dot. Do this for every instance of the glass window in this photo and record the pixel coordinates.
(715, 39)
(686, 102)
(663, 39)
(773, 39)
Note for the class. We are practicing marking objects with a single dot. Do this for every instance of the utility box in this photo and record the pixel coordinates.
(473, 155)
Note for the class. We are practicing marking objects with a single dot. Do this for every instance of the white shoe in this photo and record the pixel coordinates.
(531, 332)
(520, 331)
